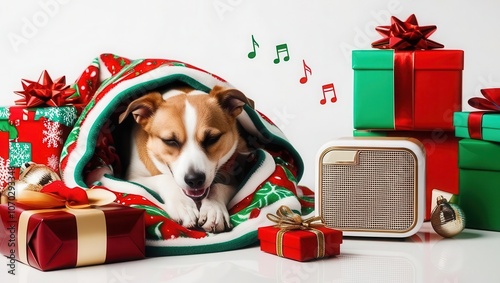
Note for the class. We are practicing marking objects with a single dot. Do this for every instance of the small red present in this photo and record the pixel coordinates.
(57, 238)
(298, 239)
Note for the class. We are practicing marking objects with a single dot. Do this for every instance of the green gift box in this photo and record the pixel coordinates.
(479, 178)
(487, 128)
(407, 90)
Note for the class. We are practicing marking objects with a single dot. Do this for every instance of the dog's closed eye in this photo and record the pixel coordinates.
(172, 142)
(211, 139)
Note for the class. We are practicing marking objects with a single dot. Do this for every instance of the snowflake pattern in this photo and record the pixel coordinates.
(5, 172)
(66, 115)
(19, 153)
(52, 134)
(4, 113)
(53, 162)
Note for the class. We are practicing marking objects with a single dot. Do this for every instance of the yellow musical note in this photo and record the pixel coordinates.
(281, 48)
(303, 80)
(328, 88)
(253, 53)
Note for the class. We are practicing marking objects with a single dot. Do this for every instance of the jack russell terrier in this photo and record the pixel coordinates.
(180, 141)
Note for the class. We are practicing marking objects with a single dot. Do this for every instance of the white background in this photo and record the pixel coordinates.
(63, 36)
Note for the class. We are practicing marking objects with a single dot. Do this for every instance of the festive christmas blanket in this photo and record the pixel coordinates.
(270, 179)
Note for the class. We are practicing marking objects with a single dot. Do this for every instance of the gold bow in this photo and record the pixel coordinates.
(287, 220)
(39, 200)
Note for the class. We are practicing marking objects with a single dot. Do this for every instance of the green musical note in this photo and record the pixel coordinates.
(282, 48)
(253, 53)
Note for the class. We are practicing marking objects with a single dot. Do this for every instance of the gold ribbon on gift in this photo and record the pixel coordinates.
(287, 220)
(90, 223)
(41, 200)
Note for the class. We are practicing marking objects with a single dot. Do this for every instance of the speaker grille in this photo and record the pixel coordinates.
(378, 193)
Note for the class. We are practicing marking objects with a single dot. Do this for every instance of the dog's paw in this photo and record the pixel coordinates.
(214, 216)
(184, 211)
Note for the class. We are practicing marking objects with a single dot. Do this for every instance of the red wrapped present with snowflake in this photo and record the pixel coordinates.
(36, 128)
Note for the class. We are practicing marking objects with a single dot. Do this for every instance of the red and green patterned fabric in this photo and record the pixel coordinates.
(271, 179)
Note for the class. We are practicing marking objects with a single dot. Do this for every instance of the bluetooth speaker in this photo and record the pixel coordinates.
(371, 187)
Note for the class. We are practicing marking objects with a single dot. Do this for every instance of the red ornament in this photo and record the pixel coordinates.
(407, 35)
(45, 92)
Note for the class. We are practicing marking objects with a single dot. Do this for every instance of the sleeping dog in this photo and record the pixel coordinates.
(179, 143)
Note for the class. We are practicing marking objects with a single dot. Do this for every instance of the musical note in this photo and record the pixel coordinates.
(281, 48)
(328, 88)
(252, 54)
(303, 80)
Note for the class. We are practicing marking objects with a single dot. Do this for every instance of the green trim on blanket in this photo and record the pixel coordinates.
(236, 243)
(256, 119)
(119, 75)
(151, 192)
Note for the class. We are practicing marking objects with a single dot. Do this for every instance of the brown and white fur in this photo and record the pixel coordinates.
(179, 143)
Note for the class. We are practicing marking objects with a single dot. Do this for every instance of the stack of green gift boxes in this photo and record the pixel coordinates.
(479, 165)
(408, 89)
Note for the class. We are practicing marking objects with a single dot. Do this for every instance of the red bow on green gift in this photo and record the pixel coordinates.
(45, 92)
(490, 102)
(407, 35)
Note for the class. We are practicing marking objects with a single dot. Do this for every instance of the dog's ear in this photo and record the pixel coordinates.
(142, 108)
(231, 100)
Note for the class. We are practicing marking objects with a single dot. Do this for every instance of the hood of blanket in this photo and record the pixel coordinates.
(111, 82)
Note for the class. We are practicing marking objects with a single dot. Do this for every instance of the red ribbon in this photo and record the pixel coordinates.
(407, 35)
(403, 90)
(45, 92)
(74, 196)
(404, 37)
(57, 195)
(490, 102)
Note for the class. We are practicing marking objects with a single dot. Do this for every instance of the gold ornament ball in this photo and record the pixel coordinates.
(447, 219)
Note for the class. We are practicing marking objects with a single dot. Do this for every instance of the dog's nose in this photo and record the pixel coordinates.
(195, 179)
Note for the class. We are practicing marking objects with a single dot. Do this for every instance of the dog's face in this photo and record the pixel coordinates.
(190, 135)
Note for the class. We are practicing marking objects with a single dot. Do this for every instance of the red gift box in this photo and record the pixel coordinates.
(441, 160)
(50, 239)
(429, 89)
(300, 245)
(33, 134)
